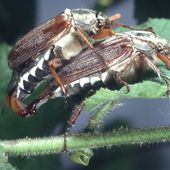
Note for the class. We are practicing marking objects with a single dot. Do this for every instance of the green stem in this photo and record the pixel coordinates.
(55, 144)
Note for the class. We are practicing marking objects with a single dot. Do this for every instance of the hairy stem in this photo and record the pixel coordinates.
(55, 144)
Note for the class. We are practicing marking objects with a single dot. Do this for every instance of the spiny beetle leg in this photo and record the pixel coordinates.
(52, 67)
(71, 122)
(80, 32)
(128, 65)
(158, 72)
(165, 59)
(131, 63)
(122, 82)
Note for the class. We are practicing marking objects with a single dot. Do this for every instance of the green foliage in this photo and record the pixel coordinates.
(160, 27)
(145, 89)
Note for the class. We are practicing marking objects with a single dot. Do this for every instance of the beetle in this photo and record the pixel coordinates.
(124, 53)
(45, 48)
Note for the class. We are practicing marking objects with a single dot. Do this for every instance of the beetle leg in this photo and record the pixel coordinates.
(158, 72)
(5, 102)
(53, 64)
(44, 96)
(165, 59)
(71, 122)
(120, 81)
(118, 75)
(103, 33)
(81, 34)
(91, 46)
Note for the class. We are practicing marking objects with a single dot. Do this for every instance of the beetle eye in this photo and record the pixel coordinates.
(160, 47)
(100, 19)
(166, 51)
(100, 23)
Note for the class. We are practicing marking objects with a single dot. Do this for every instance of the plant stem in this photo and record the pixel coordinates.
(55, 144)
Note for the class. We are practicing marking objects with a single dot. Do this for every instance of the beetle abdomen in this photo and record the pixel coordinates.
(33, 76)
(93, 81)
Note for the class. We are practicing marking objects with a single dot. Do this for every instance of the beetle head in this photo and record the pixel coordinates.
(163, 46)
(88, 20)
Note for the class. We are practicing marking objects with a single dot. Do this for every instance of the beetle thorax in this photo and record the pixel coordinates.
(87, 20)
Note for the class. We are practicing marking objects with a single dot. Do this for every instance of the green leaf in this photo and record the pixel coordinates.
(81, 156)
(145, 89)
(160, 27)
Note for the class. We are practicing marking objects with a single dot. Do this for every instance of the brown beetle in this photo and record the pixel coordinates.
(47, 45)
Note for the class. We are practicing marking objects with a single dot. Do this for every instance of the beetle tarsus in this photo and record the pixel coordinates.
(122, 82)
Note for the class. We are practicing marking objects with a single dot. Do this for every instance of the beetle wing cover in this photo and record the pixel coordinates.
(37, 41)
(114, 50)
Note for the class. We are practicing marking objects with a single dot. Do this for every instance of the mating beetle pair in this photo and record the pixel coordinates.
(127, 55)
(42, 51)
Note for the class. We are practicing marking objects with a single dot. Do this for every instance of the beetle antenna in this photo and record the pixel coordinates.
(117, 24)
(115, 17)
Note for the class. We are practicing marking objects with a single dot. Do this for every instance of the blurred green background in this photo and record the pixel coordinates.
(16, 18)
